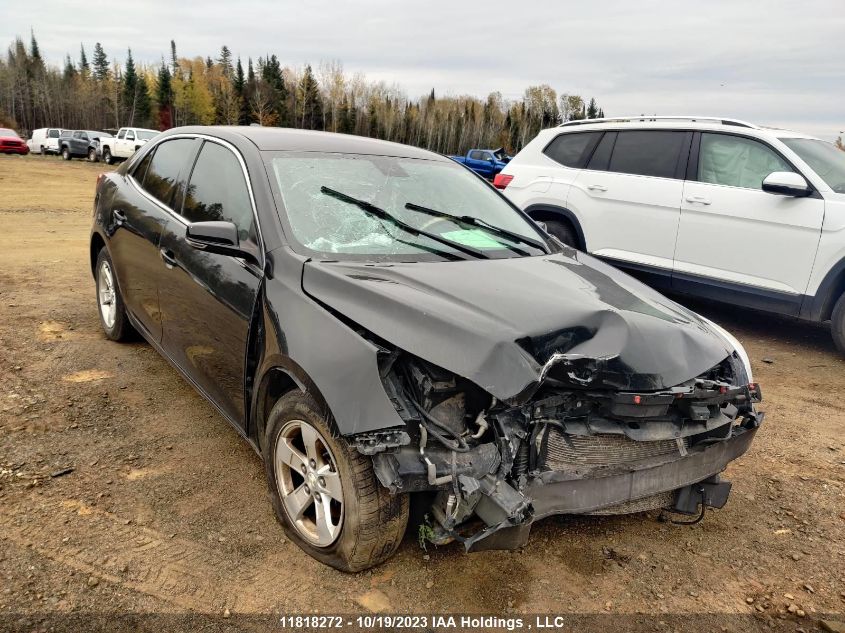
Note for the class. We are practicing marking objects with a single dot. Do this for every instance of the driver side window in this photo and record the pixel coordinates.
(217, 191)
(737, 162)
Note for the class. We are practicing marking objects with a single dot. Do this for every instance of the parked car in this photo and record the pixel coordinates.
(80, 143)
(44, 141)
(484, 162)
(11, 143)
(715, 208)
(376, 322)
(126, 143)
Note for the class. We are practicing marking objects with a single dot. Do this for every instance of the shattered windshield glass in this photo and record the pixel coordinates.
(331, 226)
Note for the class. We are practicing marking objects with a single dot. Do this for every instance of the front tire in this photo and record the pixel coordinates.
(107, 157)
(110, 306)
(837, 324)
(325, 493)
(92, 155)
(66, 153)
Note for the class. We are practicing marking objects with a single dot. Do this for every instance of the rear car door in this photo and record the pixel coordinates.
(732, 233)
(139, 211)
(207, 299)
(629, 196)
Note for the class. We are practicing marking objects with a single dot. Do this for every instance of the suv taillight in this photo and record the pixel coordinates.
(502, 180)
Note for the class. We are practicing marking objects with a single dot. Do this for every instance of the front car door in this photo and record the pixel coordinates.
(734, 236)
(629, 196)
(208, 300)
(79, 144)
(139, 213)
(128, 147)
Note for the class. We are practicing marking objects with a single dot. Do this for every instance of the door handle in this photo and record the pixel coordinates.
(119, 216)
(698, 199)
(596, 187)
(167, 257)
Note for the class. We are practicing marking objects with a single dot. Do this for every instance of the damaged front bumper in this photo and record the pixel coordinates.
(564, 450)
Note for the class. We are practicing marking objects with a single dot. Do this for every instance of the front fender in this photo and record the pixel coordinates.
(321, 353)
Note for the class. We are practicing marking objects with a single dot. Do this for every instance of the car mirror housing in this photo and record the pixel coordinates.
(217, 237)
(786, 183)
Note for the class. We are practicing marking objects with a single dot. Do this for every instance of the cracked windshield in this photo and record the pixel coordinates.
(397, 208)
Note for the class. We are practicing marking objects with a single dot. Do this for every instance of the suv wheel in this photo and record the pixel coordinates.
(562, 231)
(107, 157)
(66, 153)
(837, 324)
(92, 155)
(325, 493)
(109, 302)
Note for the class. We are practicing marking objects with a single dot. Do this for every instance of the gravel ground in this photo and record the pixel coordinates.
(163, 523)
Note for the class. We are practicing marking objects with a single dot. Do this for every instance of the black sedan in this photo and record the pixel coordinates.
(377, 322)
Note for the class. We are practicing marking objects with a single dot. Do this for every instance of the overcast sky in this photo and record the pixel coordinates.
(771, 62)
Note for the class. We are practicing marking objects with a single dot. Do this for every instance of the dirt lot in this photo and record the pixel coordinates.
(164, 521)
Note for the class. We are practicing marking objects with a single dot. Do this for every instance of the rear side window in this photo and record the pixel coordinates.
(53, 134)
(736, 162)
(218, 191)
(163, 173)
(572, 150)
(647, 153)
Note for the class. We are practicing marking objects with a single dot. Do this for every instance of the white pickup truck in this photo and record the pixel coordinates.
(124, 144)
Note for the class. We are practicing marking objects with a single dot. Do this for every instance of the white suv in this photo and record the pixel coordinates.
(717, 208)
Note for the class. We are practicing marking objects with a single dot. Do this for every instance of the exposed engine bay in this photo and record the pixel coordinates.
(568, 445)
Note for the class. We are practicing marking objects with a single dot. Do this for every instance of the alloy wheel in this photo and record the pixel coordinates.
(106, 294)
(309, 483)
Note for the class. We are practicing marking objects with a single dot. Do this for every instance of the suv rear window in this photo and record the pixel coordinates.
(572, 149)
(647, 153)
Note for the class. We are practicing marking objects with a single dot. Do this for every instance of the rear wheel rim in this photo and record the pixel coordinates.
(309, 483)
(106, 295)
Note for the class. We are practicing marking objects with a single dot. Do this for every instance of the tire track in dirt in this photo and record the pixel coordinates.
(176, 570)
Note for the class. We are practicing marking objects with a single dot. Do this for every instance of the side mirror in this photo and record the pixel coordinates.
(786, 183)
(217, 237)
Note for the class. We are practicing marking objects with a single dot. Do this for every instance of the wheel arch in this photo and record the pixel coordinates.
(542, 212)
(819, 307)
(97, 244)
(279, 376)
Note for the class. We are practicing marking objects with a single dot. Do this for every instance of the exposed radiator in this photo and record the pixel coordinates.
(565, 451)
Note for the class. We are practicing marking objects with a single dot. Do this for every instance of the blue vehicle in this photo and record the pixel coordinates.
(484, 162)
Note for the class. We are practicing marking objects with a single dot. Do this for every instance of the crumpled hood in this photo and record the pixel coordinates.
(506, 323)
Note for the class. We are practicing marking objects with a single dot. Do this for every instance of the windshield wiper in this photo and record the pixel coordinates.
(380, 213)
(468, 219)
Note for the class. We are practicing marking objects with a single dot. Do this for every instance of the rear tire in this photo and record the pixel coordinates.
(371, 521)
(107, 157)
(110, 306)
(43, 153)
(562, 231)
(837, 324)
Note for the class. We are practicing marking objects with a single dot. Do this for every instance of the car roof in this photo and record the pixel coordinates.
(693, 122)
(288, 139)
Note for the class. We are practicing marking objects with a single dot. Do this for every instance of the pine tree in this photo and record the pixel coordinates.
(70, 69)
(271, 73)
(164, 97)
(592, 109)
(239, 84)
(84, 66)
(250, 76)
(34, 51)
(143, 106)
(225, 61)
(130, 89)
(173, 59)
(309, 102)
(101, 63)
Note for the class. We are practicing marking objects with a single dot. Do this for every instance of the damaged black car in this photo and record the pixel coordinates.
(380, 323)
